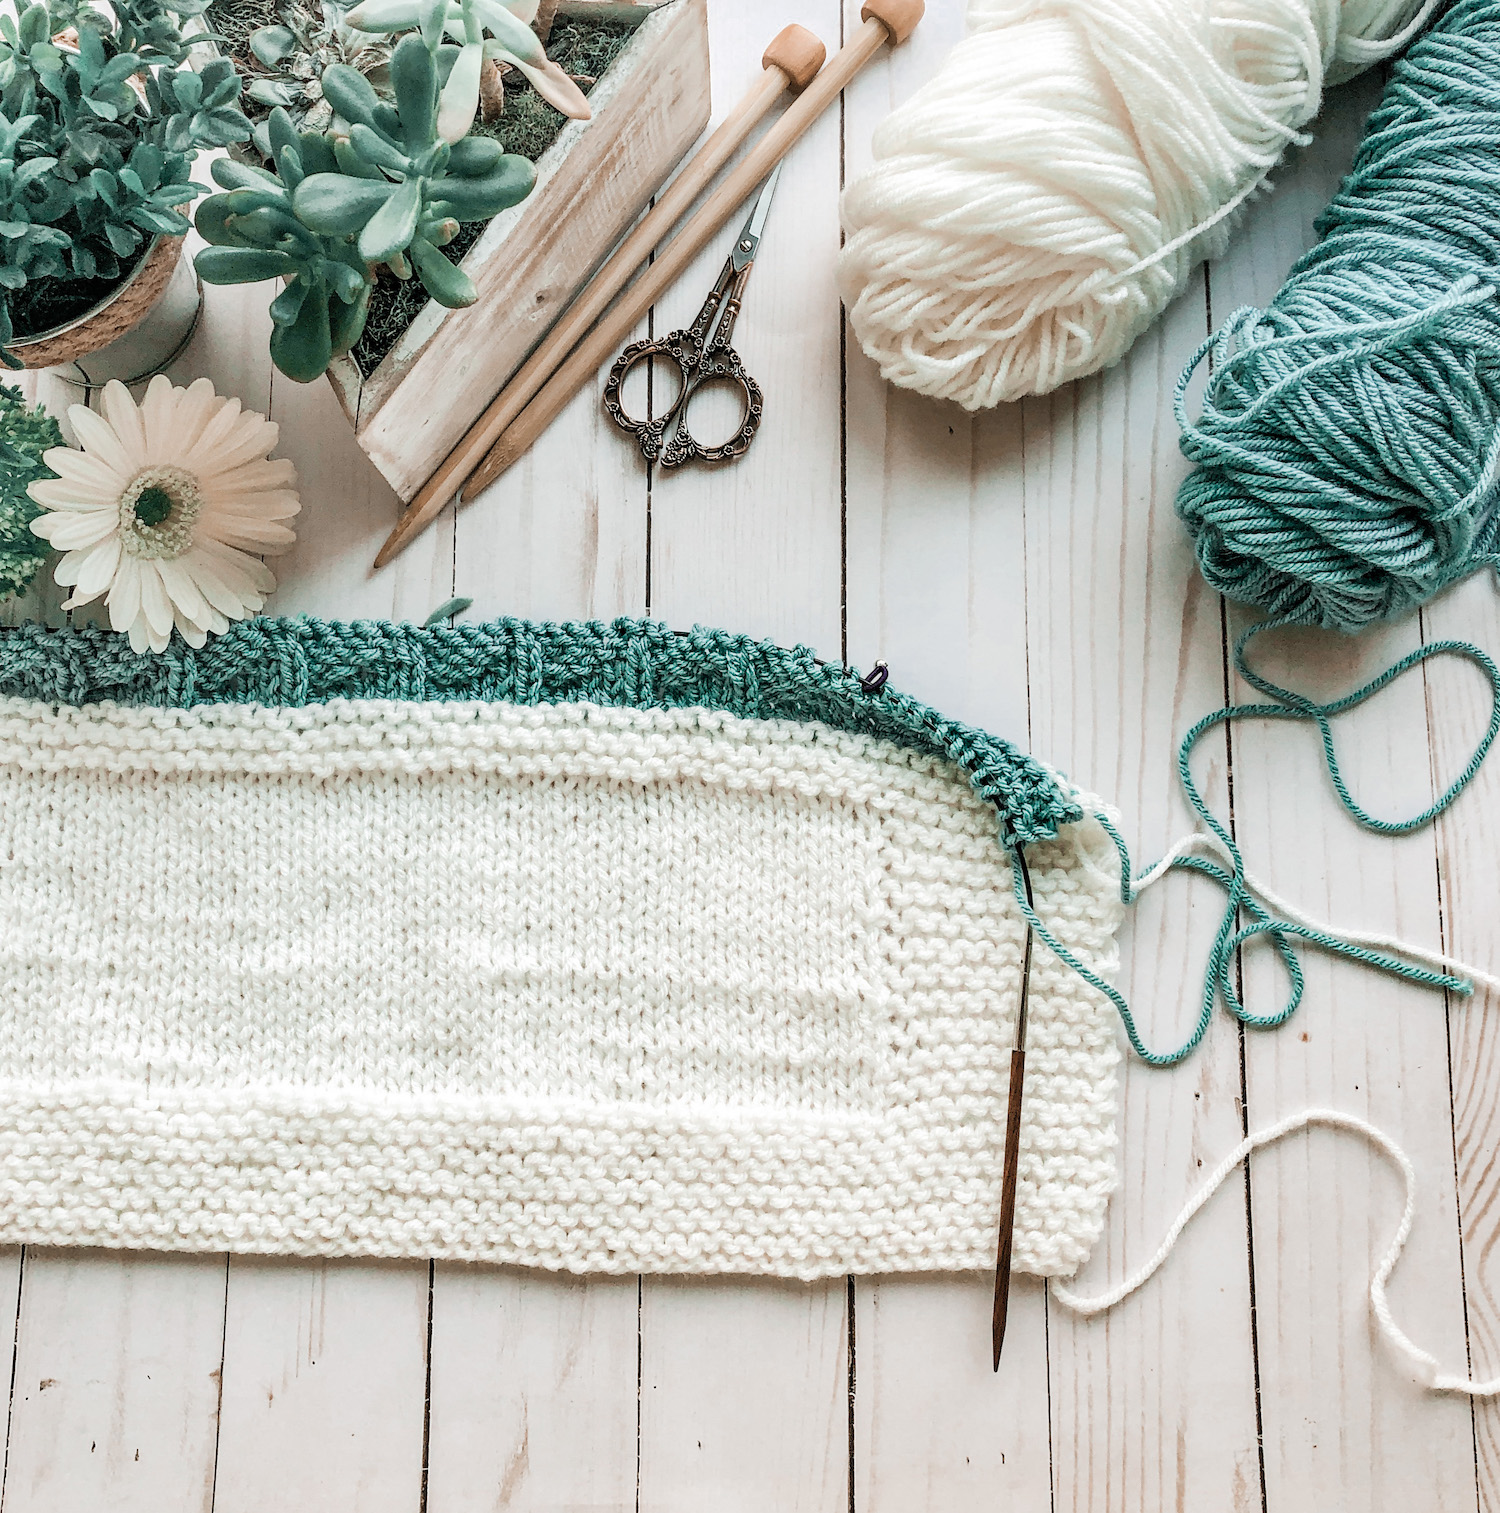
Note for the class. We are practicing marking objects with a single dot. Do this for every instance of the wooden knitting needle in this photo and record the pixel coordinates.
(1011, 1169)
(883, 21)
(791, 62)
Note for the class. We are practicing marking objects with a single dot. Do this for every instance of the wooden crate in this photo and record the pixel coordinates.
(591, 184)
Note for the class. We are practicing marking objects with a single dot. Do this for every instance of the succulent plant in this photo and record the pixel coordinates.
(100, 119)
(294, 54)
(336, 207)
(26, 432)
(510, 41)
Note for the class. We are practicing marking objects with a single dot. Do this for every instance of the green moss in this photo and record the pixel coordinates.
(232, 21)
(528, 126)
(25, 433)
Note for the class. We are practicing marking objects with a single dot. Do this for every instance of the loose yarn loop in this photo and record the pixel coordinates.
(1246, 897)
(1422, 1363)
(1037, 204)
(1349, 439)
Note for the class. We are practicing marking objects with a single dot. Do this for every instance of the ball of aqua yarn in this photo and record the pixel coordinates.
(1040, 201)
(1349, 437)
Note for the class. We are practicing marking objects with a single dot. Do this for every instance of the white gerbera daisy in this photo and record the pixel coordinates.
(166, 511)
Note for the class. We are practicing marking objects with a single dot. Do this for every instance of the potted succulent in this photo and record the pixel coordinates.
(100, 119)
(387, 186)
(383, 197)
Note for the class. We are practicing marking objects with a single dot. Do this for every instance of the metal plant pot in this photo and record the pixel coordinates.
(134, 331)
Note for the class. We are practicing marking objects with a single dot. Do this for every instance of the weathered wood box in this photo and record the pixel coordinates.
(593, 181)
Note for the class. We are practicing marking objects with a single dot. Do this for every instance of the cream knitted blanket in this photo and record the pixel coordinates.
(567, 985)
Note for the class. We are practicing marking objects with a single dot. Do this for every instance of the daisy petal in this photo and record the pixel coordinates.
(253, 439)
(155, 605)
(196, 405)
(68, 529)
(187, 598)
(194, 635)
(265, 473)
(221, 426)
(96, 568)
(96, 435)
(125, 596)
(84, 471)
(230, 559)
(229, 592)
(59, 494)
(118, 408)
(248, 534)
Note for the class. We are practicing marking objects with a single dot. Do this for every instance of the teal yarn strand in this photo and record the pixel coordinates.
(1219, 976)
(1348, 446)
(1347, 449)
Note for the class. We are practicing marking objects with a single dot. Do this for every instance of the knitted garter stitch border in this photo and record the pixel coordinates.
(640, 664)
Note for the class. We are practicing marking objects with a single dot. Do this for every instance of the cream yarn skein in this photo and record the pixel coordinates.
(1037, 204)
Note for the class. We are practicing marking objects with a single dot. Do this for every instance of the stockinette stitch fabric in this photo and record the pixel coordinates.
(586, 947)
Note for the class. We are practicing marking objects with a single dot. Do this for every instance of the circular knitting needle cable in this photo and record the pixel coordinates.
(1012, 1137)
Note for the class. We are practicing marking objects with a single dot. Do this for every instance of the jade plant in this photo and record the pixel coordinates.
(488, 34)
(382, 188)
(100, 119)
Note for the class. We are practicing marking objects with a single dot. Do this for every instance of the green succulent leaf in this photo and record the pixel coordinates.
(349, 92)
(281, 132)
(333, 205)
(271, 45)
(474, 156)
(385, 15)
(288, 304)
(346, 321)
(432, 18)
(481, 196)
(389, 231)
(229, 174)
(515, 36)
(374, 149)
(459, 101)
(447, 283)
(415, 81)
(304, 349)
(241, 265)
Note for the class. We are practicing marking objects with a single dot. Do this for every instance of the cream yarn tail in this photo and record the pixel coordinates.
(1037, 204)
(1423, 1365)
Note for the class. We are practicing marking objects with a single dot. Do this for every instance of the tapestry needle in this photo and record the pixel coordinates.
(1011, 1168)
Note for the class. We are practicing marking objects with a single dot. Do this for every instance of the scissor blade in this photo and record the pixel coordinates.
(749, 238)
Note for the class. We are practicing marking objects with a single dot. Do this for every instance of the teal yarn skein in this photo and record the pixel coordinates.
(1348, 449)
(1349, 439)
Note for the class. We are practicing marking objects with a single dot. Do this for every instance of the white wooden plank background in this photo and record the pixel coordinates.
(1022, 569)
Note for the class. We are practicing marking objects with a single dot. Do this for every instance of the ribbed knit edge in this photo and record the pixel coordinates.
(640, 664)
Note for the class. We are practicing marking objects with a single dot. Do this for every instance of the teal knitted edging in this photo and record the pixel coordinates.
(626, 663)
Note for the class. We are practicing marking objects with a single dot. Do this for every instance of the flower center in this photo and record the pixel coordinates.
(153, 506)
(157, 511)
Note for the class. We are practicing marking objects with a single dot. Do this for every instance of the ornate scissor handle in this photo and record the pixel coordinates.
(721, 365)
(678, 348)
(702, 354)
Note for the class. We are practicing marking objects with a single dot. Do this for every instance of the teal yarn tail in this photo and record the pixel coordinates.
(1219, 976)
(1348, 446)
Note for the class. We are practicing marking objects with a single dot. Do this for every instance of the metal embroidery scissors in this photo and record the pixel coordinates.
(702, 355)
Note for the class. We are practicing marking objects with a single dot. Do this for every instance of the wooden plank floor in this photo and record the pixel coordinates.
(1021, 569)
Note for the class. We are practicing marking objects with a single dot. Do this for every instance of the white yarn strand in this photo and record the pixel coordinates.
(1423, 1364)
(1200, 841)
(1037, 204)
